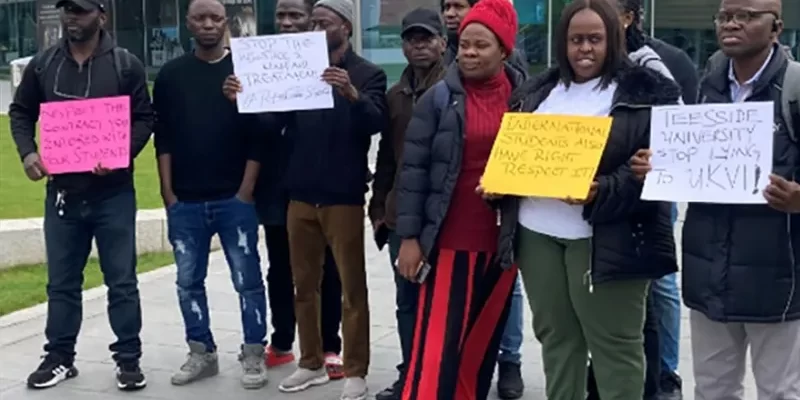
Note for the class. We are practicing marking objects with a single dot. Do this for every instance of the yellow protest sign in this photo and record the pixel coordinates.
(546, 155)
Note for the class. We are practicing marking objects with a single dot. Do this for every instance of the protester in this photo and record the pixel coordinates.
(423, 46)
(664, 322)
(95, 206)
(585, 271)
(325, 183)
(449, 234)
(740, 269)
(666, 296)
(509, 383)
(630, 13)
(198, 131)
(292, 16)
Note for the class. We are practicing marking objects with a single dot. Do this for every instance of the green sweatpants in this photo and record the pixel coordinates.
(570, 321)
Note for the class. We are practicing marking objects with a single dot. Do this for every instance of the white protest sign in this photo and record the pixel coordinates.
(281, 72)
(710, 153)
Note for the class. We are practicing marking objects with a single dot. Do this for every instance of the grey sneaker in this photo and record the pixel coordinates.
(354, 389)
(302, 379)
(200, 364)
(253, 366)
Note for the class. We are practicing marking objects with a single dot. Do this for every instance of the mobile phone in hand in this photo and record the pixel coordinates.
(423, 272)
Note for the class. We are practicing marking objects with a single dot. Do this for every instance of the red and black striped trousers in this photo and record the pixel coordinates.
(463, 307)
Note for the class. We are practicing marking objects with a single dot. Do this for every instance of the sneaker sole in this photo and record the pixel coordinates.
(362, 397)
(58, 378)
(320, 380)
(132, 387)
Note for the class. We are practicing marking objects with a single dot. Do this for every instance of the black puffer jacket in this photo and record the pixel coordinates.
(432, 152)
(632, 239)
(741, 263)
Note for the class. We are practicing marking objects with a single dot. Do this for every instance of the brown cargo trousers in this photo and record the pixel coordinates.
(311, 229)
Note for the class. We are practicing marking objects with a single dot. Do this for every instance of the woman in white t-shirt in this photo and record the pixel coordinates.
(586, 264)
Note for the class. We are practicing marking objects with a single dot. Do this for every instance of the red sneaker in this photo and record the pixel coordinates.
(276, 358)
(334, 366)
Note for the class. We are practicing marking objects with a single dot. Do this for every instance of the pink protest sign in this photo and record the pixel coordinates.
(77, 135)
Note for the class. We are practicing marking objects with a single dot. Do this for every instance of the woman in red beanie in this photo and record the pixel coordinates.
(451, 236)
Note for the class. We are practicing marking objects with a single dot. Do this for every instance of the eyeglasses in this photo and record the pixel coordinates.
(73, 96)
(740, 16)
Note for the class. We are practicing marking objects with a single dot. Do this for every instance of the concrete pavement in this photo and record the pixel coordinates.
(164, 349)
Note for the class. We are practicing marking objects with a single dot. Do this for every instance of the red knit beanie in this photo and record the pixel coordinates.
(497, 15)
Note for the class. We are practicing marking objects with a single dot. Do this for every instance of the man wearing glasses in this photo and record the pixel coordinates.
(741, 263)
(80, 207)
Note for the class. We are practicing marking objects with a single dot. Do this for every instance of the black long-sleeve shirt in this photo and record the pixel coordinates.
(63, 79)
(208, 140)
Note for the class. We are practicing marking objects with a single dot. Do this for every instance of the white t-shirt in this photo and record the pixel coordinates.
(554, 217)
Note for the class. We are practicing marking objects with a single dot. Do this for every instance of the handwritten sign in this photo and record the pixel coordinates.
(282, 72)
(545, 155)
(710, 153)
(77, 135)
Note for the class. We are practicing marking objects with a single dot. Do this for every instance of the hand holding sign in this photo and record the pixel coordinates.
(231, 87)
(340, 79)
(783, 195)
(589, 197)
(640, 163)
(34, 167)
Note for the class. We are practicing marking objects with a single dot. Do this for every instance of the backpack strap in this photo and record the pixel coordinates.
(122, 64)
(41, 62)
(790, 98)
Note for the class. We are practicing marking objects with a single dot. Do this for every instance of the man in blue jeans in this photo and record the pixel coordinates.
(208, 162)
(80, 207)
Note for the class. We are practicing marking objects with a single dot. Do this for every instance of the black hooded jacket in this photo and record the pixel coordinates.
(96, 78)
(632, 239)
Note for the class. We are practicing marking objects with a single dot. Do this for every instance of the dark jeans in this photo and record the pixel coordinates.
(652, 355)
(281, 294)
(406, 297)
(111, 221)
(191, 227)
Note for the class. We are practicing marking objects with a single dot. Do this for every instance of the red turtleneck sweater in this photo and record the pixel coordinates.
(470, 224)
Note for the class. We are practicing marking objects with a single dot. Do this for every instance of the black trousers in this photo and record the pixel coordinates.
(652, 355)
(69, 229)
(280, 288)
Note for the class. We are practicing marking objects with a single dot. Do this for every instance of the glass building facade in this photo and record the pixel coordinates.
(154, 30)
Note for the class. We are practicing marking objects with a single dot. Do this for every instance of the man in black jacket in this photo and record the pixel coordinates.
(325, 183)
(741, 265)
(80, 207)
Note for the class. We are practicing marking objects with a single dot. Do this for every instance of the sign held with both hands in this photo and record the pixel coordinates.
(545, 155)
(78, 135)
(711, 153)
(282, 72)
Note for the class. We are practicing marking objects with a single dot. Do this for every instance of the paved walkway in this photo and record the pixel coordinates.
(164, 350)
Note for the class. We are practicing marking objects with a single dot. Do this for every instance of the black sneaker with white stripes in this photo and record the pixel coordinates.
(51, 371)
(130, 376)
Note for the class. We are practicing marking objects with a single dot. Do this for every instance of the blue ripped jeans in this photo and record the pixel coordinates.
(191, 227)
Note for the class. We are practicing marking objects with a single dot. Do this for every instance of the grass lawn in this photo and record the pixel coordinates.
(24, 286)
(21, 198)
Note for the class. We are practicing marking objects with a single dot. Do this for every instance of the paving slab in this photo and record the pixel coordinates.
(21, 339)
